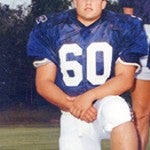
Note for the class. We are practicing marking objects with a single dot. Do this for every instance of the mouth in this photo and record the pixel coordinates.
(88, 9)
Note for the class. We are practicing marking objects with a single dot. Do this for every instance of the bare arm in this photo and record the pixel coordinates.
(123, 80)
(81, 106)
(128, 10)
(45, 77)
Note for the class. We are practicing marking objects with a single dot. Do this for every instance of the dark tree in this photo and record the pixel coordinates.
(16, 70)
(49, 6)
(114, 6)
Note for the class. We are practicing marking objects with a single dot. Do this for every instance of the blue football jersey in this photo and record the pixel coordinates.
(141, 8)
(85, 56)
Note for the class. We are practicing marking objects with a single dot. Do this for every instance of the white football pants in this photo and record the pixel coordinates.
(79, 135)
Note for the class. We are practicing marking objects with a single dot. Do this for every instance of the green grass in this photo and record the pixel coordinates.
(29, 138)
(32, 129)
(33, 138)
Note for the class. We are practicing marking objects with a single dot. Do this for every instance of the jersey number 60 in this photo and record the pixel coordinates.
(77, 68)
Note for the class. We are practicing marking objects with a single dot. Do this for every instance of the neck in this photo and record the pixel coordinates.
(87, 22)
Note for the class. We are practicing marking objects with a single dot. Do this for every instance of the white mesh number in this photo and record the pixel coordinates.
(106, 49)
(77, 68)
(72, 65)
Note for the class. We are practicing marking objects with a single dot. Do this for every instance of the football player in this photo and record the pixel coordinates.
(141, 90)
(85, 58)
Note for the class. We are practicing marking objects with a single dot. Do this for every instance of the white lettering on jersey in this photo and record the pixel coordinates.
(106, 49)
(71, 65)
(41, 19)
(77, 68)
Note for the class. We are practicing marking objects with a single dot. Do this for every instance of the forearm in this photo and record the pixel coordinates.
(82, 106)
(53, 94)
(46, 87)
(120, 83)
(115, 86)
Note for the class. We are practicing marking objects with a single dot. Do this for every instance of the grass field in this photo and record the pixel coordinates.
(28, 138)
(33, 138)
(32, 129)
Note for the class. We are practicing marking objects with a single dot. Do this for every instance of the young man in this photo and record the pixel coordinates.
(141, 90)
(85, 58)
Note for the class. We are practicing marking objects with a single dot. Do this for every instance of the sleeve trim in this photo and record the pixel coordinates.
(42, 62)
(129, 63)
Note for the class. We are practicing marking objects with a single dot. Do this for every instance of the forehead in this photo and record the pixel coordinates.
(89, 1)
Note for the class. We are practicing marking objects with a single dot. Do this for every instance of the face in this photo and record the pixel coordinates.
(88, 11)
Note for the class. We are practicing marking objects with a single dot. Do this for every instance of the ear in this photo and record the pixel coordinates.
(75, 3)
(104, 3)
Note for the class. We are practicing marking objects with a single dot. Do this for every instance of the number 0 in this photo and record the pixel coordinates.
(77, 68)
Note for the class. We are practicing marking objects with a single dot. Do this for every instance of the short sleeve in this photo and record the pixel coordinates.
(134, 44)
(40, 43)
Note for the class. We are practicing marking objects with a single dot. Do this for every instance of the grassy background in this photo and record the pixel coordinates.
(29, 138)
(32, 129)
(34, 138)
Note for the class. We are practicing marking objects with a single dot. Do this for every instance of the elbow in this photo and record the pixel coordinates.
(39, 88)
(43, 87)
(129, 84)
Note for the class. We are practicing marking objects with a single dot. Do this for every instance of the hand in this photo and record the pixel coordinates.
(90, 115)
(82, 107)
